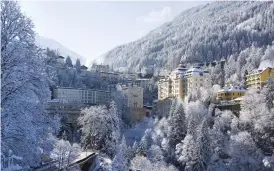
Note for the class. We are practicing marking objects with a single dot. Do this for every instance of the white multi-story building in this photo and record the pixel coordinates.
(196, 78)
(82, 96)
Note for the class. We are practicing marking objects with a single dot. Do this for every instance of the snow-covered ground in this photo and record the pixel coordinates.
(83, 155)
(136, 132)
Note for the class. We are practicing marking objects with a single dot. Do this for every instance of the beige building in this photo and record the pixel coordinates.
(134, 96)
(181, 82)
(134, 101)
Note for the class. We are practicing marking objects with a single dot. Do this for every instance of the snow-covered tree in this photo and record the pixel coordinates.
(68, 62)
(120, 161)
(8, 162)
(93, 126)
(100, 128)
(142, 163)
(186, 153)
(245, 155)
(155, 154)
(145, 142)
(24, 87)
(256, 117)
(112, 138)
(77, 65)
(65, 153)
(177, 125)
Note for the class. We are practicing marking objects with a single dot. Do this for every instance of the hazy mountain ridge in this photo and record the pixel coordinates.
(54, 45)
(204, 33)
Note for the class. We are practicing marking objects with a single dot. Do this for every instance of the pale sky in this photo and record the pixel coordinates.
(91, 28)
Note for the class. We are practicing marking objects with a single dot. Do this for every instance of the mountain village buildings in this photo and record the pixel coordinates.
(178, 84)
(181, 82)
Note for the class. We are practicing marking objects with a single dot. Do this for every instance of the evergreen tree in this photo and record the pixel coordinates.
(120, 161)
(68, 62)
(77, 64)
(177, 125)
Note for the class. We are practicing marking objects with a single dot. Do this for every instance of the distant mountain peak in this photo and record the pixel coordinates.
(54, 45)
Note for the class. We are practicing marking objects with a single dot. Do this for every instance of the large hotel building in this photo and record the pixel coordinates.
(181, 82)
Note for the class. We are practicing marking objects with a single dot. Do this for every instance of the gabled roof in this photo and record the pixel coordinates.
(232, 88)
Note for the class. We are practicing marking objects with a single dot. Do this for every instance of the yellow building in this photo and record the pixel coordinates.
(258, 78)
(230, 93)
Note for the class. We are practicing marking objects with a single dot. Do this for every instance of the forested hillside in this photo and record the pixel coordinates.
(206, 33)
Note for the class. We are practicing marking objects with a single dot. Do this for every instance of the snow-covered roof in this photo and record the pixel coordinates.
(232, 88)
(196, 71)
(238, 99)
(59, 87)
(257, 71)
(143, 79)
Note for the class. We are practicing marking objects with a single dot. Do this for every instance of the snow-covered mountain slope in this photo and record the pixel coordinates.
(204, 33)
(54, 45)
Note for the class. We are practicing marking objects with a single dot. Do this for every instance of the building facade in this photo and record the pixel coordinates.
(111, 77)
(143, 82)
(100, 68)
(134, 96)
(181, 82)
(164, 88)
(230, 92)
(82, 96)
(134, 102)
(259, 78)
(196, 78)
